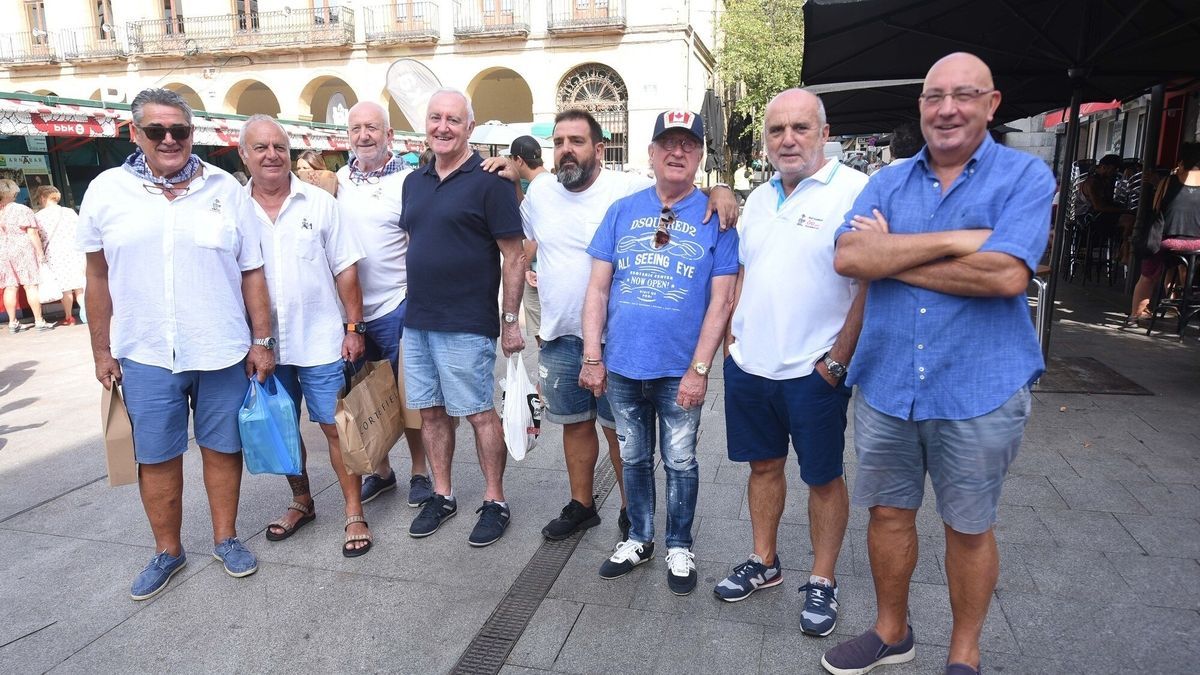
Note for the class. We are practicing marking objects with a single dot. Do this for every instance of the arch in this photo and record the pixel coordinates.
(501, 94)
(327, 98)
(396, 118)
(44, 92)
(248, 97)
(193, 99)
(600, 90)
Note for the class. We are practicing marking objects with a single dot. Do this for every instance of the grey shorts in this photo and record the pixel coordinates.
(966, 461)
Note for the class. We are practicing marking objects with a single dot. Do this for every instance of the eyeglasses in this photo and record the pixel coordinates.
(363, 178)
(672, 143)
(663, 234)
(157, 190)
(157, 132)
(933, 99)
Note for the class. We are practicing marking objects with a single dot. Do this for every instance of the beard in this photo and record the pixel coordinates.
(577, 173)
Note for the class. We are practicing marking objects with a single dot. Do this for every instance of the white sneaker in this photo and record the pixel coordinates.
(681, 570)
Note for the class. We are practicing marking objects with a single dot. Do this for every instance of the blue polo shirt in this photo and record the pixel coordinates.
(929, 355)
(453, 259)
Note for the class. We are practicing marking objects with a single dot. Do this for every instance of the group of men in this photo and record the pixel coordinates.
(909, 285)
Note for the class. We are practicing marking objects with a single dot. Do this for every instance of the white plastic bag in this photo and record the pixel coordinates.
(521, 425)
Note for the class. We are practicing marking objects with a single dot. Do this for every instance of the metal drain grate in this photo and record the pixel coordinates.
(491, 645)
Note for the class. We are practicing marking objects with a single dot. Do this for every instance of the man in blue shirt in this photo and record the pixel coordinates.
(948, 242)
(662, 284)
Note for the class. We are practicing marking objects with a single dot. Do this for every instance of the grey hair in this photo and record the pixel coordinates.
(457, 92)
(159, 97)
(255, 119)
(9, 188)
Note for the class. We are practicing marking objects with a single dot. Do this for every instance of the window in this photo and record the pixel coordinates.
(105, 26)
(173, 16)
(247, 13)
(599, 90)
(35, 14)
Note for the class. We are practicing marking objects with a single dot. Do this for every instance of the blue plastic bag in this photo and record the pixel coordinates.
(270, 429)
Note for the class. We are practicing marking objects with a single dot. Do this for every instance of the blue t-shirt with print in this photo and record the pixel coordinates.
(659, 295)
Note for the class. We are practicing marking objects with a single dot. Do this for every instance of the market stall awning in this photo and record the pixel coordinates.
(33, 118)
(1060, 116)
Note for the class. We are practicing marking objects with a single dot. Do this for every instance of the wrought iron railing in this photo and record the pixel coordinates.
(402, 21)
(565, 16)
(77, 44)
(243, 31)
(491, 18)
(27, 48)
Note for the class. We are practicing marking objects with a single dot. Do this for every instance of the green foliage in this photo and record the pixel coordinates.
(762, 48)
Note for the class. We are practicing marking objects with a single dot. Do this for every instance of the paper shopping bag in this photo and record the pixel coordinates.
(369, 417)
(118, 438)
(412, 418)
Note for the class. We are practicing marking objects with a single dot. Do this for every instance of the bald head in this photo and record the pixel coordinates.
(368, 111)
(957, 104)
(961, 67)
(797, 97)
(795, 132)
(370, 135)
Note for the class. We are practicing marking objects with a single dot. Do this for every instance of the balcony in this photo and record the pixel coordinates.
(402, 22)
(289, 28)
(91, 44)
(27, 49)
(566, 17)
(491, 19)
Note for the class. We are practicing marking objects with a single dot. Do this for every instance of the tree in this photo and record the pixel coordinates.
(761, 50)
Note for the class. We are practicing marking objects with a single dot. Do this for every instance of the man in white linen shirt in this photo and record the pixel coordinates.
(309, 258)
(174, 267)
(369, 192)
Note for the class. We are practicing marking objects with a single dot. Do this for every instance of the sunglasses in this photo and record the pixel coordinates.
(662, 235)
(156, 132)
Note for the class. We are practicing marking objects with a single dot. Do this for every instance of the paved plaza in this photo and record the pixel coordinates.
(1099, 539)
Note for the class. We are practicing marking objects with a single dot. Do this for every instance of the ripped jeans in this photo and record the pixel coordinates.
(635, 405)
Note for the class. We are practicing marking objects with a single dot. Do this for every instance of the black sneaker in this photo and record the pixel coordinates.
(435, 512)
(374, 485)
(420, 489)
(574, 518)
(623, 524)
(681, 570)
(627, 555)
(493, 520)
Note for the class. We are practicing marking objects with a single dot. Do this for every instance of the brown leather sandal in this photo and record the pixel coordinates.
(348, 548)
(309, 514)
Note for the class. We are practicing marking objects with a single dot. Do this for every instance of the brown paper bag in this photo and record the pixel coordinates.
(369, 417)
(412, 418)
(118, 438)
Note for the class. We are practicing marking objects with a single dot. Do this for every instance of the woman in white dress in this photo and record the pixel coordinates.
(66, 261)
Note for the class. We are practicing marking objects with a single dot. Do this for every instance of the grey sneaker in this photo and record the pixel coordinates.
(820, 607)
(866, 652)
(420, 489)
(749, 577)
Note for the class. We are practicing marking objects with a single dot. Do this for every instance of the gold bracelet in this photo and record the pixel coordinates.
(591, 362)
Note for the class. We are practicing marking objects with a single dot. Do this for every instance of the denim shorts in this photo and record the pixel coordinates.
(159, 401)
(761, 413)
(383, 337)
(319, 386)
(451, 370)
(966, 461)
(559, 363)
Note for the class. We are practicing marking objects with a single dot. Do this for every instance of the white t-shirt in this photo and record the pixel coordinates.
(372, 212)
(304, 249)
(793, 304)
(562, 223)
(174, 267)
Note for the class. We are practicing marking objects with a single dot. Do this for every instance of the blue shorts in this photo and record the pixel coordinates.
(559, 363)
(319, 385)
(761, 413)
(159, 400)
(966, 460)
(451, 370)
(383, 337)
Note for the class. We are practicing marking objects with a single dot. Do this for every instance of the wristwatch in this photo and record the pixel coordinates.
(701, 368)
(268, 342)
(510, 318)
(837, 370)
(360, 328)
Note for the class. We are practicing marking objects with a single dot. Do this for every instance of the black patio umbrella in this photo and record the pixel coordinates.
(1096, 50)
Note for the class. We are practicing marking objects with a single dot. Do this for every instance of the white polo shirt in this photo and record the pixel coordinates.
(304, 249)
(793, 304)
(372, 212)
(174, 267)
(562, 223)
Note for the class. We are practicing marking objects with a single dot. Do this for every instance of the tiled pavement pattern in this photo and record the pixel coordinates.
(1099, 539)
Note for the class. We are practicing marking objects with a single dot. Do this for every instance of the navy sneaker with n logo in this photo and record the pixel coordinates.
(820, 606)
(749, 577)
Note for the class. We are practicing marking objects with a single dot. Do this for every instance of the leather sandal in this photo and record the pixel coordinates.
(308, 514)
(348, 548)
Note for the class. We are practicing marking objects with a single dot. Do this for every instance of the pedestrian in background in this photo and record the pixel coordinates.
(67, 263)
